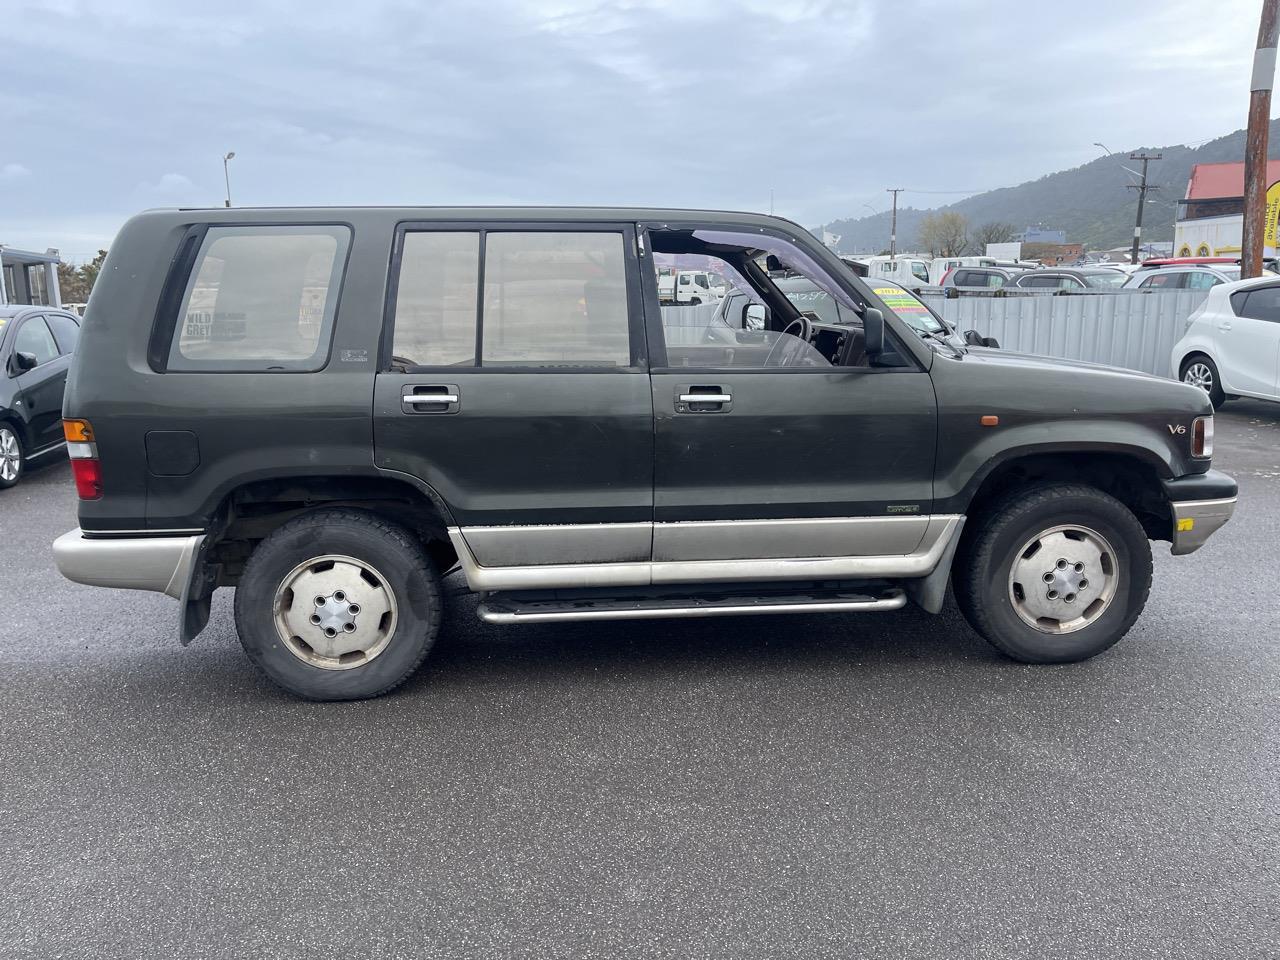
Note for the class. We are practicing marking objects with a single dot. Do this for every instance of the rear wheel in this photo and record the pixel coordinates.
(10, 456)
(338, 605)
(1199, 371)
(1058, 573)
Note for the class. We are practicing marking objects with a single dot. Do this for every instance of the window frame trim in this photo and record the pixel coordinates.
(164, 328)
(633, 277)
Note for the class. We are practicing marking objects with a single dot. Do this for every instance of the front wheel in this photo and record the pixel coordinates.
(1057, 574)
(1199, 371)
(338, 605)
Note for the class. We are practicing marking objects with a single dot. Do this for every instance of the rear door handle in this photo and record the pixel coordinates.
(421, 398)
(705, 398)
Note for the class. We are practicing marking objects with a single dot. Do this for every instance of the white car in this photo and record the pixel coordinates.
(1189, 277)
(1231, 347)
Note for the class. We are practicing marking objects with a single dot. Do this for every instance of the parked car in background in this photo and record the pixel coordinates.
(1073, 278)
(939, 266)
(979, 278)
(36, 344)
(1182, 277)
(1232, 342)
(907, 270)
(687, 286)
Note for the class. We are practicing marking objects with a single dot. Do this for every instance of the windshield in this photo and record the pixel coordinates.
(910, 310)
(1110, 279)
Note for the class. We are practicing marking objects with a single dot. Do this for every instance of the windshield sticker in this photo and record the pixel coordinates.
(899, 301)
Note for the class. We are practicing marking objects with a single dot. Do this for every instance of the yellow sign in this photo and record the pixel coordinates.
(1271, 231)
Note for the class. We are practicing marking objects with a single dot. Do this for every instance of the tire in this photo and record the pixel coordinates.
(1199, 371)
(998, 583)
(12, 463)
(381, 609)
(695, 302)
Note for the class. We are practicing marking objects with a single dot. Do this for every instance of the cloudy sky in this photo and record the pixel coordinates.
(113, 106)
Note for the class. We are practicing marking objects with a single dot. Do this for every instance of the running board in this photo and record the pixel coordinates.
(510, 610)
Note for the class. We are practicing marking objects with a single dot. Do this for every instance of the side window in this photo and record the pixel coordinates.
(964, 278)
(685, 280)
(66, 330)
(437, 299)
(1069, 283)
(36, 285)
(261, 298)
(1038, 282)
(1202, 280)
(1262, 303)
(555, 299)
(34, 337)
(920, 271)
(1162, 281)
(994, 280)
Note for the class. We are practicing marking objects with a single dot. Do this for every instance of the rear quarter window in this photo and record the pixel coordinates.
(260, 298)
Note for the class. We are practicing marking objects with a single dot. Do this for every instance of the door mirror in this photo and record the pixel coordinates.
(974, 339)
(873, 327)
(755, 316)
(24, 361)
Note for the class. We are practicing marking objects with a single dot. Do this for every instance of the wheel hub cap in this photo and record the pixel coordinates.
(1063, 579)
(1198, 375)
(8, 455)
(335, 612)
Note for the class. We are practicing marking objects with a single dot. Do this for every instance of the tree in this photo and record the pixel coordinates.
(944, 234)
(993, 232)
(76, 282)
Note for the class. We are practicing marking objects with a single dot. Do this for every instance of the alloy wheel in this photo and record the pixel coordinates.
(10, 455)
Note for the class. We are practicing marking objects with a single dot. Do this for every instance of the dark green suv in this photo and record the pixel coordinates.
(329, 409)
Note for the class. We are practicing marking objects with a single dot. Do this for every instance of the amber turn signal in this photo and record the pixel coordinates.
(77, 431)
(990, 421)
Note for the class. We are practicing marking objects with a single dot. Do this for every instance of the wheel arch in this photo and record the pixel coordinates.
(250, 511)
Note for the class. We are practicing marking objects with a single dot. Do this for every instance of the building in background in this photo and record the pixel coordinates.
(27, 277)
(1210, 219)
(1041, 234)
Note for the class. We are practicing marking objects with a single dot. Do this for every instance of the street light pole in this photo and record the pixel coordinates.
(1106, 149)
(893, 224)
(1255, 145)
(226, 173)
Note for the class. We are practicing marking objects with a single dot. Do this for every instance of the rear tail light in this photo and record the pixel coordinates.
(82, 449)
(1202, 437)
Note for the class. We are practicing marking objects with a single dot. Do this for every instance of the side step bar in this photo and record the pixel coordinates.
(511, 610)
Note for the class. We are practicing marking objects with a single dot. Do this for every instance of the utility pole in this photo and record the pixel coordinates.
(1255, 144)
(1142, 189)
(893, 224)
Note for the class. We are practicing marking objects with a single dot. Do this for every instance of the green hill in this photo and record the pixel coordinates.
(1090, 202)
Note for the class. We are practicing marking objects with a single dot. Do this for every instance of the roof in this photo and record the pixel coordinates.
(1211, 181)
(28, 256)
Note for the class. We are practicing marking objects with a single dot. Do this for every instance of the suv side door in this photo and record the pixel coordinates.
(783, 463)
(513, 383)
(43, 386)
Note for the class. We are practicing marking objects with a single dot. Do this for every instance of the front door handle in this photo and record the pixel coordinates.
(702, 398)
(705, 398)
(420, 398)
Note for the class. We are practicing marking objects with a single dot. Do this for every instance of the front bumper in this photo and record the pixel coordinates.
(162, 564)
(1200, 504)
(1194, 521)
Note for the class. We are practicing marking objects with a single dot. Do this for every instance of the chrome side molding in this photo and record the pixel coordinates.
(938, 532)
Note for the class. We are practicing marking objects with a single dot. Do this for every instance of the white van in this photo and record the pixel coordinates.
(940, 265)
(906, 270)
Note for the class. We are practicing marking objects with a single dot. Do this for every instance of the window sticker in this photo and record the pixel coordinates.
(899, 300)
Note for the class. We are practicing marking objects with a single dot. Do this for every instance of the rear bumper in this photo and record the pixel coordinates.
(162, 564)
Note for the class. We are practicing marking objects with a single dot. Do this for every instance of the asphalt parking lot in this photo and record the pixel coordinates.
(814, 786)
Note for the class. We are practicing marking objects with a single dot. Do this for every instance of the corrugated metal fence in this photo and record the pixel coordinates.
(1134, 330)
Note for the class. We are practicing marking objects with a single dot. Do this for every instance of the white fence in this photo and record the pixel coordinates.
(1134, 330)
